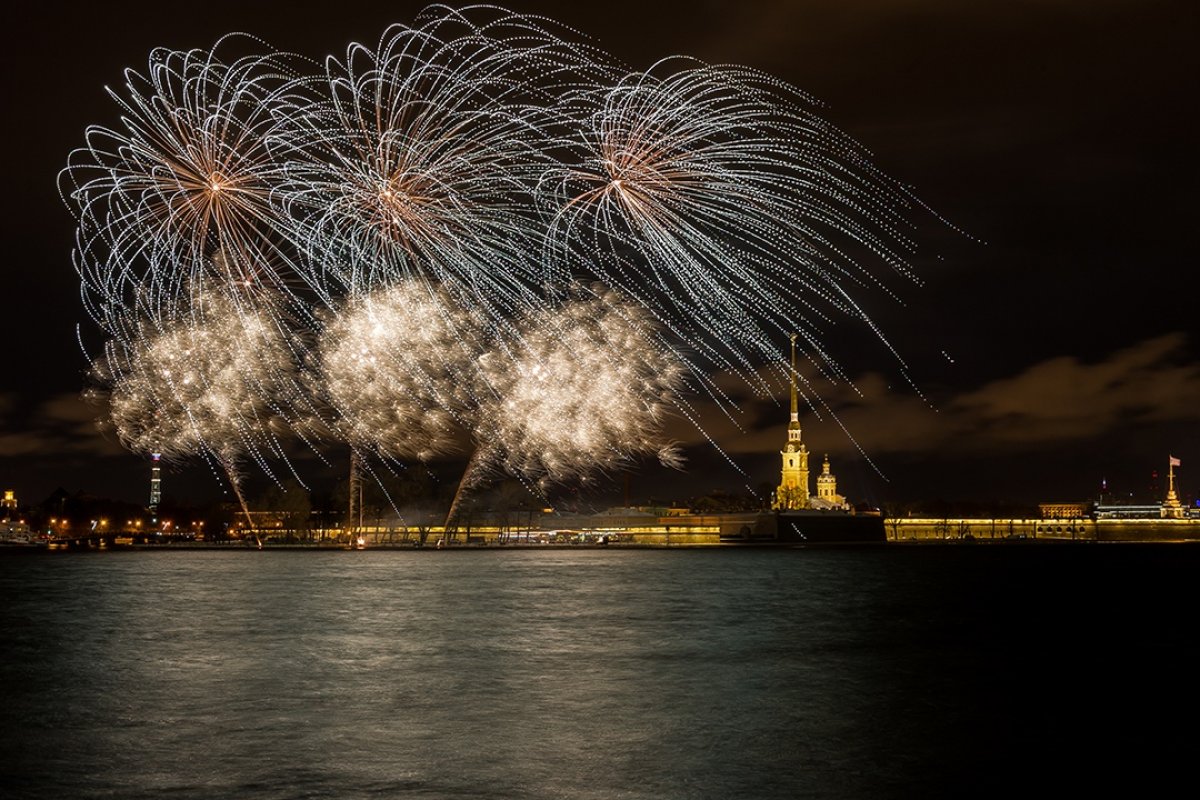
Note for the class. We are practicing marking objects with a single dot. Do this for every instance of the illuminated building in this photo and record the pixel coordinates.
(1169, 508)
(792, 494)
(9, 503)
(827, 497)
(1064, 510)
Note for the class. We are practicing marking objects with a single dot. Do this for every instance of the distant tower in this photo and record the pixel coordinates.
(792, 493)
(9, 503)
(155, 482)
(1171, 507)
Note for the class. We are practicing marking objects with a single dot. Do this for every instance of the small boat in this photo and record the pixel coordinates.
(22, 538)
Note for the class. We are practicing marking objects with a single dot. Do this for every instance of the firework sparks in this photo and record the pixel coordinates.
(218, 382)
(398, 366)
(712, 195)
(178, 196)
(419, 157)
(586, 387)
(434, 202)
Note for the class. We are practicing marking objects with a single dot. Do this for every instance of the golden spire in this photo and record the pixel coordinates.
(794, 424)
(792, 493)
(795, 406)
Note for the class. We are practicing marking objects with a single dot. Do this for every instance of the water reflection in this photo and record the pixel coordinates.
(580, 674)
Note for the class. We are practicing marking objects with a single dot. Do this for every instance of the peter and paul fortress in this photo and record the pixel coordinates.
(792, 493)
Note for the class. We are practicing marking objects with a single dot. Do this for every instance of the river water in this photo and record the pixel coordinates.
(956, 671)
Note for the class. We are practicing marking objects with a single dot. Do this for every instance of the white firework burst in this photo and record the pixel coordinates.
(587, 386)
(719, 201)
(178, 195)
(417, 158)
(398, 366)
(218, 381)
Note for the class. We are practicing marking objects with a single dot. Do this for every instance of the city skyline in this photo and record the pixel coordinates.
(1053, 363)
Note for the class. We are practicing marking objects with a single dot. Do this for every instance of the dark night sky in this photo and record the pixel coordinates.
(1054, 133)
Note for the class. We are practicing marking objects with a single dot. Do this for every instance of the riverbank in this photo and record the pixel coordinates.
(327, 547)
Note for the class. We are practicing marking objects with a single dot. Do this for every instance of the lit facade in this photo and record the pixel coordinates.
(827, 497)
(1064, 510)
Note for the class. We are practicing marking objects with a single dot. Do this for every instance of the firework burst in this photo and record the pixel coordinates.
(398, 366)
(419, 158)
(586, 387)
(716, 198)
(217, 382)
(177, 197)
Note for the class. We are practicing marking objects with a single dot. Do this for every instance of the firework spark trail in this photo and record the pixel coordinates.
(417, 158)
(714, 197)
(216, 382)
(178, 196)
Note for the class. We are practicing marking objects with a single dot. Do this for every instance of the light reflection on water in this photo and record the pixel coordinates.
(886, 672)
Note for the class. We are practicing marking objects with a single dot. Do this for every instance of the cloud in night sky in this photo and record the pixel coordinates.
(1050, 404)
(62, 425)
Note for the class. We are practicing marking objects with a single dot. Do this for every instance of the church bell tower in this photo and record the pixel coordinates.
(792, 493)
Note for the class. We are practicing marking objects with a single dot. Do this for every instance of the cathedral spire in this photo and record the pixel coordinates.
(792, 493)
(794, 423)
(795, 405)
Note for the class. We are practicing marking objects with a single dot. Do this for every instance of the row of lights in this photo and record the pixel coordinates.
(102, 524)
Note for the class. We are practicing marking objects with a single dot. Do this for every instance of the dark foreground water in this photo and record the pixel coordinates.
(890, 672)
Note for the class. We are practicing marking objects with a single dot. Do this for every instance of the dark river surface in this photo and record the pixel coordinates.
(952, 671)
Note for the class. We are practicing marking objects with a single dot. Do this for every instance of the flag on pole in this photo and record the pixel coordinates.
(1174, 461)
